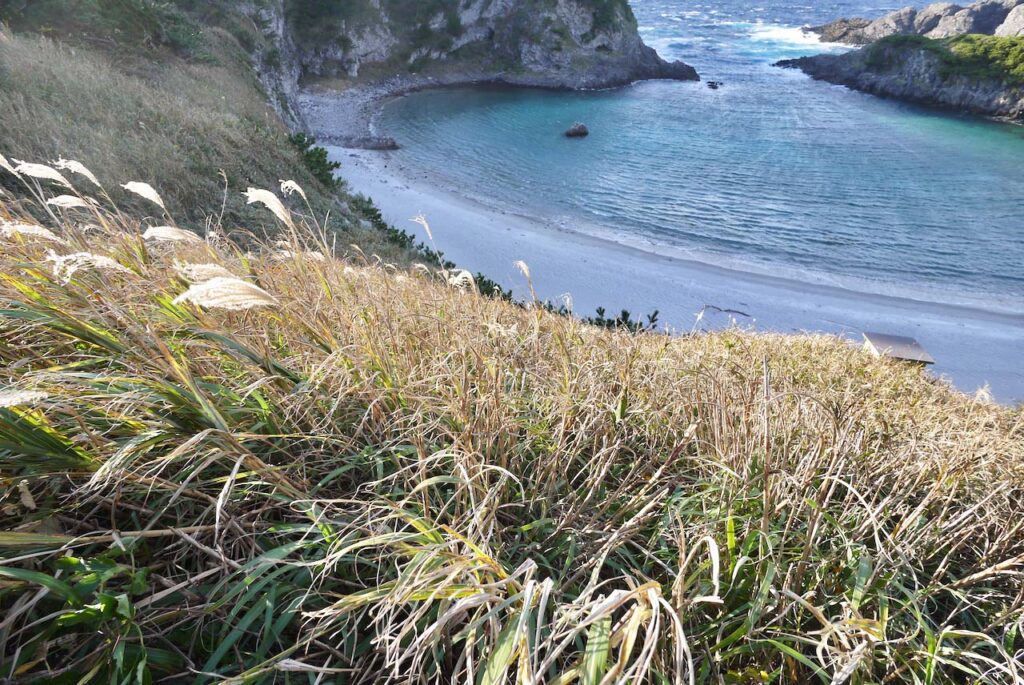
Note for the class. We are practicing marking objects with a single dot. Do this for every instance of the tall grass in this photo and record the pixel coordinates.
(373, 475)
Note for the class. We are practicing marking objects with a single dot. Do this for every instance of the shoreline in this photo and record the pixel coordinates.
(975, 347)
(344, 117)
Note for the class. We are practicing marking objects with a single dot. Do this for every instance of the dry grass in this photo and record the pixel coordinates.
(384, 477)
(200, 132)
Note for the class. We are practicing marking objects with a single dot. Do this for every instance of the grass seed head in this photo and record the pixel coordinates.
(170, 234)
(271, 202)
(77, 168)
(10, 229)
(41, 171)
(146, 191)
(232, 294)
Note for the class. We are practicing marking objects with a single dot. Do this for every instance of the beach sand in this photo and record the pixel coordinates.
(974, 348)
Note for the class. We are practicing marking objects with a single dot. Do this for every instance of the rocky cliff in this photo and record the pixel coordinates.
(550, 43)
(938, 20)
(922, 72)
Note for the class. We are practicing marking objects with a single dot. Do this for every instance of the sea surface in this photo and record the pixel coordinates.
(772, 173)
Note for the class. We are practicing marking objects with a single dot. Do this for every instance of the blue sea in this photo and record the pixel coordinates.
(772, 173)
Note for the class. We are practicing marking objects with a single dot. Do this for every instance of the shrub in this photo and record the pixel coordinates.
(316, 161)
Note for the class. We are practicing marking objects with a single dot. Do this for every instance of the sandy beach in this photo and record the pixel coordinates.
(974, 348)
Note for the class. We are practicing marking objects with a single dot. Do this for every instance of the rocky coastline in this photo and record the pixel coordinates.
(917, 76)
(331, 83)
(912, 55)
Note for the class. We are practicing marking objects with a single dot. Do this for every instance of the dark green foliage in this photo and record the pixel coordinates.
(624, 320)
(996, 58)
(316, 160)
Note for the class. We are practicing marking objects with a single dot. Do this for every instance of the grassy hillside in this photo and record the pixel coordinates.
(275, 466)
(193, 122)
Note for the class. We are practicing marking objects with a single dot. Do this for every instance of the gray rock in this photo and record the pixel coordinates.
(1013, 25)
(577, 130)
(849, 31)
(898, 22)
(929, 17)
(938, 20)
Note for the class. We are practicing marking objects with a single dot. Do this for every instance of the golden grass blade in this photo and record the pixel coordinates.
(146, 191)
(232, 294)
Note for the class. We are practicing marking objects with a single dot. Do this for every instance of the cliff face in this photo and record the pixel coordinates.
(550, 43)
(559, 43)
(938, 20)
(916, 74)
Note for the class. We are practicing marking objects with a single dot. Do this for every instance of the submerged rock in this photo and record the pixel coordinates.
(577, 130)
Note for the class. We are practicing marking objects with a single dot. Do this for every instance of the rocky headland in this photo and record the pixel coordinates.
(969, 59)
(938, 20)
(332, 64)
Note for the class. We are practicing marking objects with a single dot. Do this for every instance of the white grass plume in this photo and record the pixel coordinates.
(68, 202)
(147, 191)
(200, 273)
(77, 168)
(271, 202)
(20, 398)
(524, 268)
(41, 171)
(289, 187)
(170, 234)
(461, 279)
(4, 164)
(422, 221)
(66, 266)
(232, 294)
(8, 230)
(284, 255)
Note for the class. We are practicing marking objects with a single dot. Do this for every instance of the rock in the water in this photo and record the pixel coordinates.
(577, 130)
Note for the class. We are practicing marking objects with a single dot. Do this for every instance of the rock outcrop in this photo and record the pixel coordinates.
(938, 20)
(913, 74)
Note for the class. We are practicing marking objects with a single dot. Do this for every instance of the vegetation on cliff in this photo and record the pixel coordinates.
(974, 56)
(274, 465)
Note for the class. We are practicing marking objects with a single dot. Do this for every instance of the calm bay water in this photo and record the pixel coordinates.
(772, 173)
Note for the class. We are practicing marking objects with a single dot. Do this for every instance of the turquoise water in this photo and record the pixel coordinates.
(772, 173)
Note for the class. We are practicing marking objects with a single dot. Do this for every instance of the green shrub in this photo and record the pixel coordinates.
(316, 160)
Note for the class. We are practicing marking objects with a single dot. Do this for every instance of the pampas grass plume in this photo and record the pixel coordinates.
(232, 294)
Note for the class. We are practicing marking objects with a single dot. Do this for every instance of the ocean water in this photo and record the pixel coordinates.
(773, 173)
